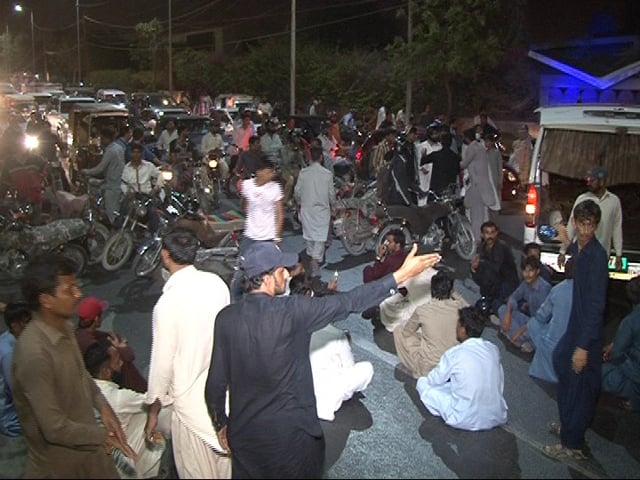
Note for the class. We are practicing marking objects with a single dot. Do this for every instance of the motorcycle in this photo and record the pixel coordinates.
(133, 227)
(441, 219)
(21, 242)
(355, 222)
(219, 244)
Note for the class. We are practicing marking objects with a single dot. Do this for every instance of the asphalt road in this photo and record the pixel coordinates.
(386, 432)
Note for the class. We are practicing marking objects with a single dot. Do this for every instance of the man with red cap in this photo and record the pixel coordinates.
(90, 312)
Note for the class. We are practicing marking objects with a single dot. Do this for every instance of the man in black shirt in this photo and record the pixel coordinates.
(261, 356)
(493, 268)
(446, 165)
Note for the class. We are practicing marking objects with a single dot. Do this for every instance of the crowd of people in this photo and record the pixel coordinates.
(241, 375)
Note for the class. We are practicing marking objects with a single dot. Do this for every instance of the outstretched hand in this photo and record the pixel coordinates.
(415, 264)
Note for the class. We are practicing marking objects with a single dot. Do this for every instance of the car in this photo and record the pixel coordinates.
(112, 96)
(153, 106)
(58, 115)
(235, 102)
(20, 103)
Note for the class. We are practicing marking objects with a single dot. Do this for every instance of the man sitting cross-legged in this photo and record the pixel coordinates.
(466, 387)
(431, 330)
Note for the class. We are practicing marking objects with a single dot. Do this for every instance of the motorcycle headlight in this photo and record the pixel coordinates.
(140, 209)
(511, 177)
(167, 175)
(31, 142)
(207, 190)
(213, 163)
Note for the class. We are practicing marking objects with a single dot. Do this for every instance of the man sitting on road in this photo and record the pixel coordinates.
(390, 256)
(90, 311)
(493, 268)
(431, 330)
(466, 387)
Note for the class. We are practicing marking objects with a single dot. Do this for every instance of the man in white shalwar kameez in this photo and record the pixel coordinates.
(315, 193)
(396, 310)
(336, 375)
(466, 387)
(102, 361)
(183, 324)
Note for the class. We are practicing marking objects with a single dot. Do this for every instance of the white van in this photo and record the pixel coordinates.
(571, 140)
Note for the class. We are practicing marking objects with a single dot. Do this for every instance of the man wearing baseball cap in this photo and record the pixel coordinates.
(90, 310)
(609, 232)
(261, 357)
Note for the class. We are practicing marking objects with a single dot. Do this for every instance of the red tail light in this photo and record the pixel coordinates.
(531, 207)
(373, 220)
(358, 156)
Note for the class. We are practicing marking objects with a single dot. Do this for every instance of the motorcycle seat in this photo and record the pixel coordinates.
(71, 205)
(419, 218)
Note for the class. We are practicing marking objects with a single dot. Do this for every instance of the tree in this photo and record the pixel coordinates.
(145, 55)
(453, 44)
(14, 54)
(194, 70)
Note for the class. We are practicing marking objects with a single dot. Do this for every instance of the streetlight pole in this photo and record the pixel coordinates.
(292, 73)
(19, 8)
(170, 54)
(78, 39)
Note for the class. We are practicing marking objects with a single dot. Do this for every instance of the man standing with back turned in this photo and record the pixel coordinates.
(261, 356)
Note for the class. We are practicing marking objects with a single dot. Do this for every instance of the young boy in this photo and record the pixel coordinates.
(535, 249)
(524, 303)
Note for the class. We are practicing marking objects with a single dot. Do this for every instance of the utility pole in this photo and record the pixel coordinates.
(78, 39)
(407, 108)
(292, 74)
(170, 54)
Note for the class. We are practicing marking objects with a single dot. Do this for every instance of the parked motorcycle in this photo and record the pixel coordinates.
(21, 242)
(441, 219)
(133, 226)
(355, 222)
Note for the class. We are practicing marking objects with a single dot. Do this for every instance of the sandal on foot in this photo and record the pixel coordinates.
(554, 428)
(560, 452)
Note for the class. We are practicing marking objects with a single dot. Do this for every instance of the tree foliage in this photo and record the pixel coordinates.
(452, 45)
(150, 42)
(15, 56)
(193, 70)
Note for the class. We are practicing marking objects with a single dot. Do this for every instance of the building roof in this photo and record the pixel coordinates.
(601, 62)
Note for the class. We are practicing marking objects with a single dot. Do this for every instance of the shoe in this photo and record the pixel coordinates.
(495, 320)
(554, 428)
(560, 452)
(527, 347)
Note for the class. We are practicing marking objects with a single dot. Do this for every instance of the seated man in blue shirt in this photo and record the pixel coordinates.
(523, 303)
(16, 316)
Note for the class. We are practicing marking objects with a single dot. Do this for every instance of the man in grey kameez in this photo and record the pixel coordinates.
(315, 194)
(110, 168)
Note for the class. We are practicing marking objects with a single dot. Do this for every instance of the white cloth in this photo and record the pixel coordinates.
(165, 139)
(315, 192)
(425, 148)
(609, 232)
(211, 141)
(130, 409)
(466, 387)
(141, 179)
(336, 376)
(261, 209)
(183, 323)
(396, 310)
(382, 114)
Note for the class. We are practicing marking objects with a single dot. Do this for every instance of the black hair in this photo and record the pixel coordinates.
(633, 290)
(137, 133)
(182, 246)
(254, 139)
(441, 286)
(16, 312)
(301, 284)
(489, 224)
(472, 321)
(398, 236)
(41, 277)
(532, 246)
(587, 210)
(530, 261)
(445, 139)
(264, 162)
(412, 130)
(95, 357)
(124, 128)
(108, 133)
(249, 284)
(316, 154)
(136, 146)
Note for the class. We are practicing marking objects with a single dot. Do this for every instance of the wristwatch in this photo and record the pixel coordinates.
(218, 424)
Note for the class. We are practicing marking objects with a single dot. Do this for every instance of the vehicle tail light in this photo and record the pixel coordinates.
(373, 219)
(531, 206)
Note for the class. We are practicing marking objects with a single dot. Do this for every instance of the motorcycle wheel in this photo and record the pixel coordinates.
(384, 231)
(77, 254)
(147, 258)
(96, 241)
(117, 251)
(462, 235)
(16, 261)
(350, 227)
